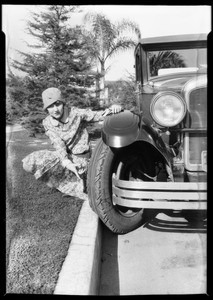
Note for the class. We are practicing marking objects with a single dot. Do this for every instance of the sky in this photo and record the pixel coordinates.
(153, 20)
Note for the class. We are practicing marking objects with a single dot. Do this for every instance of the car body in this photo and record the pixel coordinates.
(167, 132)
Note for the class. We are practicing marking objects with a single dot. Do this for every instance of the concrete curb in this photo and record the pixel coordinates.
(80, 273)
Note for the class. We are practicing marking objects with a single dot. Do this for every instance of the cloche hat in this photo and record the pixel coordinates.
(51, 95)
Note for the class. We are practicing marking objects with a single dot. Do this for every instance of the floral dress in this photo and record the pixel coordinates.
(71, 141)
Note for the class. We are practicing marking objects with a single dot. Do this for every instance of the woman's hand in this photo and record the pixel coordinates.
(114, 109)
(66, 163)
(72, 167)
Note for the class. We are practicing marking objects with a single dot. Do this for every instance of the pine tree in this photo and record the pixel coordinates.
(61, 60)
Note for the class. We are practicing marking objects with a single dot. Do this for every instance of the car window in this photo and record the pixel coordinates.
(172, 61)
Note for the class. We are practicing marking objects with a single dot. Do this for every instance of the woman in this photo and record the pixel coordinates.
(65, 168)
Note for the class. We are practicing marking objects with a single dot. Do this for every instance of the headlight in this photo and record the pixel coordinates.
(168, 109)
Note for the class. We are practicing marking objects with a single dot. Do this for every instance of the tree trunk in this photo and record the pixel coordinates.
(97, 86)
(103, 92)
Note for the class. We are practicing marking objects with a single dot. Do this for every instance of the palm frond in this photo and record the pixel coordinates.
(127, 25)
(121, 45)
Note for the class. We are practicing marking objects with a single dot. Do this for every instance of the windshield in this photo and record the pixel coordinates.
(173, 61)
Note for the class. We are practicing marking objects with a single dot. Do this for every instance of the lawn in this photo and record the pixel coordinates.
(39, 223)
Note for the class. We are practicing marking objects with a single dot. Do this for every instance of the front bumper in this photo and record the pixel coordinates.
(160, 195)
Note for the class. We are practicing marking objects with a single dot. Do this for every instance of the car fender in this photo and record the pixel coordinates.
(151, 135)
(121, 129)
(125, 128)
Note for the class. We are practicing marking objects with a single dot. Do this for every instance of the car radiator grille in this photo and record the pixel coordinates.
(197, 141)
(198, 108)
(197, 144)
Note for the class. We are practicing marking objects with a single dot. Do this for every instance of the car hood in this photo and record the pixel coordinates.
(172, 81)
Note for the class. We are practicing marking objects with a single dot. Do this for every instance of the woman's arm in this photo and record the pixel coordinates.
(95, 116)
(61, 149)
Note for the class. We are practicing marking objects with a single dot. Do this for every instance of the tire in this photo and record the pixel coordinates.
(104, 162)
(195, 217)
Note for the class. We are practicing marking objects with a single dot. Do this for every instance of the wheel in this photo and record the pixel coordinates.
(128, 163)
(194, 216)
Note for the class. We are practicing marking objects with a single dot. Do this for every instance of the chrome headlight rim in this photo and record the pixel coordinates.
(160, 95)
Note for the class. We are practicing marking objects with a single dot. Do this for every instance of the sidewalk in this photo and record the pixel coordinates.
(11, 128)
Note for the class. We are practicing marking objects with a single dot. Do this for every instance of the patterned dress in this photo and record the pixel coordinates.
(71, 141)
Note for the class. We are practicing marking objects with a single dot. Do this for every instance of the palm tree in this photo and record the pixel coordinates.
(105, 39)
(165, 59)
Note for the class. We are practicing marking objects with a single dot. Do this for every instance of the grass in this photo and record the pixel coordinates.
(39, 226)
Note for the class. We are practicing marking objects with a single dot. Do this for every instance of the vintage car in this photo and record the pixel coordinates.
(153, 158)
